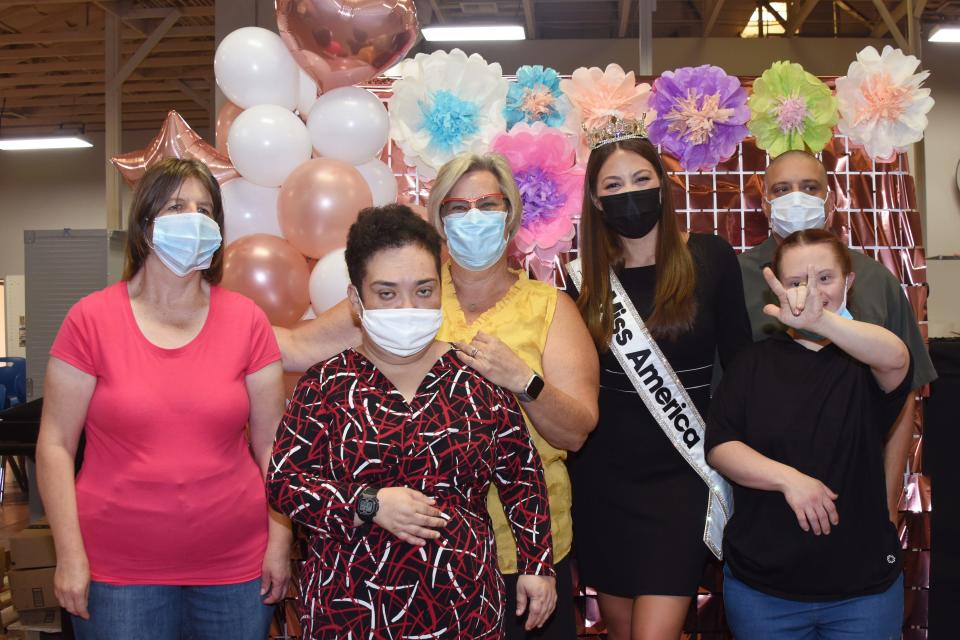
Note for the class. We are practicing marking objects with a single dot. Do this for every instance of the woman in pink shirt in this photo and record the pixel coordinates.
(165, 532)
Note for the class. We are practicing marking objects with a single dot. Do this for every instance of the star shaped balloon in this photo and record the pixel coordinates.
(175, 140)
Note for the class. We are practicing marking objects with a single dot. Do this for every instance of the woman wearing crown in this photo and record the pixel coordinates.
(659, 304)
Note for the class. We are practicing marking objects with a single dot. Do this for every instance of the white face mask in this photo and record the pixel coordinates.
(796, 211)
(402, 332)
(186, 242)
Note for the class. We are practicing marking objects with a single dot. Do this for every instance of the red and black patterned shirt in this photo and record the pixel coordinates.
(347, 427)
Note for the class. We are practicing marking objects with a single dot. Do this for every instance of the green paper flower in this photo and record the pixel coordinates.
(791, 109)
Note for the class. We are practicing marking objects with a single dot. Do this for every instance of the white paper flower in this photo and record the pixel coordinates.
(446, 104)
(882, 105)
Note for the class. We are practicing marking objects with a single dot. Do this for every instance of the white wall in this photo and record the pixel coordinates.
(942, 152)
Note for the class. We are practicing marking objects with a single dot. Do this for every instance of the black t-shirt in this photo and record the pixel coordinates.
(822, 413)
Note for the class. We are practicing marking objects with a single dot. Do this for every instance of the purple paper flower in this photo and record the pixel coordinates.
(701, 115)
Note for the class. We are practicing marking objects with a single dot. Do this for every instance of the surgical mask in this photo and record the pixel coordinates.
(841, 311)
(186, 242)
(633, 214)
(402, 332)
(476, 239)
(796, 211)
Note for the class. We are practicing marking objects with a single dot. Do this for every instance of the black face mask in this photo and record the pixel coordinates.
(633, 214)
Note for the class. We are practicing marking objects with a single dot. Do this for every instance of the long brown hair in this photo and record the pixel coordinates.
(674, 305)
(155, 188)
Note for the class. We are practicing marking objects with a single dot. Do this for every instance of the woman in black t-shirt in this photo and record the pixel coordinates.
(798, 424)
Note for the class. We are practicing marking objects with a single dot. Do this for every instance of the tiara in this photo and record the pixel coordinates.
(616, 129)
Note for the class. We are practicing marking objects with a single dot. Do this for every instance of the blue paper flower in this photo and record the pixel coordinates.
(448, 120)
(536, 97)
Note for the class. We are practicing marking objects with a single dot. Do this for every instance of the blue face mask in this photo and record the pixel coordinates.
(186, 242)
(476, 238)
(841, 311)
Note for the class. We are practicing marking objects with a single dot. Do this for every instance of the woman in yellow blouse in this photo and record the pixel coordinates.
(521, 334)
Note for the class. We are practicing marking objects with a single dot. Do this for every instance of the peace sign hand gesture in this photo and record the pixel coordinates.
(801, 307)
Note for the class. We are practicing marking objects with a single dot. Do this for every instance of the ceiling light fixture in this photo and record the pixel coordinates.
(31, 144)
(945, 34)
(451, 33)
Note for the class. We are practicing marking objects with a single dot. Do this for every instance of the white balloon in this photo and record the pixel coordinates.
(309, 314)
(266, 143)
(348, 124)
(306, 95)
(249, 208)
(328, 281)
(253, 66)
(380, 179)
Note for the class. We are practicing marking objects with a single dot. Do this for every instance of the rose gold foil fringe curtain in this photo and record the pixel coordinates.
(876, 214)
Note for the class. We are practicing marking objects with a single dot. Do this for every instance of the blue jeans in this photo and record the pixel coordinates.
(753, 615)
(148, 612)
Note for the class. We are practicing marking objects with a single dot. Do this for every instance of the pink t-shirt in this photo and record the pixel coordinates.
(169, 492)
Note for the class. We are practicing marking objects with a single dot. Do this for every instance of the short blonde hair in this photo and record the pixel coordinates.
(465, 163)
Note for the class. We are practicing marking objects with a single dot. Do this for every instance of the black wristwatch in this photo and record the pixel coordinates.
(532, 390)
(367, 504)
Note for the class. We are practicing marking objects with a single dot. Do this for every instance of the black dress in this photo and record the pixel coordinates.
(638, 507)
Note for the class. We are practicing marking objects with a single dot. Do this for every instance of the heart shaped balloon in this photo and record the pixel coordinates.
(346, 42)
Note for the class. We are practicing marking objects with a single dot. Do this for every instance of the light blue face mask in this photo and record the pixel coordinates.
(841, 311)
(476, 238)
(186, 242)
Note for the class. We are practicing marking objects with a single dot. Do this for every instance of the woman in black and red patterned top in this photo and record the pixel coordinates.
(386, 453)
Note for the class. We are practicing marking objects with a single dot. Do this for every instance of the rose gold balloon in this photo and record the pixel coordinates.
(175, 140)
(345, 42)
(226, 116)
(273, 274)
(317, 204)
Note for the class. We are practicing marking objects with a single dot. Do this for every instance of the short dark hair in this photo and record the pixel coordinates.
(153, 191)
(388, 227)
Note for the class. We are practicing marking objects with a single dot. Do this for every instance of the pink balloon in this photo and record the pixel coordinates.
(345, 42)
(273, 274)
(317, 204)
(225, 118)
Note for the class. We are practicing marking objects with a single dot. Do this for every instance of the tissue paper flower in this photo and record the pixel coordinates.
(443, 105)
(535, 96)
(596, 95)
(701, 115)
(543, 160)
(791, 109)
(882, 106)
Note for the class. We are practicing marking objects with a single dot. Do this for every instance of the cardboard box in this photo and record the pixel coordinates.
(32, 548)
(32, 589)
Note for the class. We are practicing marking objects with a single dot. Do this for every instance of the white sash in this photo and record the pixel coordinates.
(667, 401)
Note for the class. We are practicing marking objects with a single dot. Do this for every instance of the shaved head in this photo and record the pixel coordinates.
(795, 166)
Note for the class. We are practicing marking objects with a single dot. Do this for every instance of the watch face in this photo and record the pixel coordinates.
(367, 506)
(535, 387)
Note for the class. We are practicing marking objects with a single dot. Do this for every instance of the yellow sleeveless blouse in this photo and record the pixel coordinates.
(521, 319)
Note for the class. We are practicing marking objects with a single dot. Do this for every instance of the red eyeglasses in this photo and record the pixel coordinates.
(488, 202)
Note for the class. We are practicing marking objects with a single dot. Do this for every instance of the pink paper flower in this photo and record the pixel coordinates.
(596, 95)
(543, 160)
(882, 105)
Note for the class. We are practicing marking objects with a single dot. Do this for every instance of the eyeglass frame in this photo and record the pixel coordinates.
(473, 201)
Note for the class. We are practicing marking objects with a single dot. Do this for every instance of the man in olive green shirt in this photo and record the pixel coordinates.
(794, 183)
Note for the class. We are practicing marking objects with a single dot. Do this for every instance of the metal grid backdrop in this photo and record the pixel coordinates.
(878, 215)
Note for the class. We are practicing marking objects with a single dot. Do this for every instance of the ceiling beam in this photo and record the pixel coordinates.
(881, 29)
(891, 24)
(437, 14)
(134, 61)
(5, 4)
(180, 45)
(190, 92)
(96, 35)
(796, 20)
(712, 15)
(164, 62)
(130, 88)
(853, 12)
(623, 15)
(776, 14)
(529, 17)
(154, 96)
